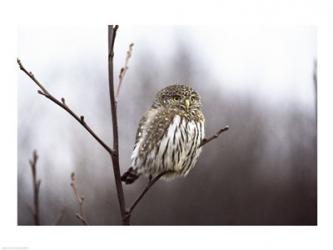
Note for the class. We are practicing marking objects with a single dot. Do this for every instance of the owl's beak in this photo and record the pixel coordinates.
(187, 104)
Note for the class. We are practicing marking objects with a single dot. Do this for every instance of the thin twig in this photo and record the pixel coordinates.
(112, 31)
(43, 91)
(36, 186)
(80, 199)
(206, 140)
(124, 69)
(82, 219)
(144, 191)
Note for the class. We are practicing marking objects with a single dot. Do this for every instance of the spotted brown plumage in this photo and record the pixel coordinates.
(169, 135)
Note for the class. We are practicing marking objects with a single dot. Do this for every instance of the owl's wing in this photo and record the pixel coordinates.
(152, 127)
(141, 125)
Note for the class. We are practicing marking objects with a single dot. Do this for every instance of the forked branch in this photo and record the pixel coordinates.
(144, 191)
(80, 118)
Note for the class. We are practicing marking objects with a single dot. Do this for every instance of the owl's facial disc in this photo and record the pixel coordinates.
(178, 96)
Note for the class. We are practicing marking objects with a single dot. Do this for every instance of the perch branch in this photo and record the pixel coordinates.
(36, 186)
(43, 91)
(124, 69)
(112, 31)
(206, 140)
(144, 191)
(80, 199)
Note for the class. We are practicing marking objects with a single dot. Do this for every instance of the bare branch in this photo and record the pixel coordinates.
(36, 186)
(43, 91)
(32, 77)
(206, 140)
(124, 69)
(80, 199)
(82, 219)
(144, 191)
(112, 31)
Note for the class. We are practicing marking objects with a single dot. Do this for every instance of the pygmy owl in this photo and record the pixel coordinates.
(169, 135)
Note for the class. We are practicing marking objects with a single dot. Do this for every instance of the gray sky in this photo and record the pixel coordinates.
(275, 63)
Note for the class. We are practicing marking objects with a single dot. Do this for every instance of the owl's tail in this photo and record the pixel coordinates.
(130, 176)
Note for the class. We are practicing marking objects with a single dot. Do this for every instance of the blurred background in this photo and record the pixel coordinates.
(259, 81)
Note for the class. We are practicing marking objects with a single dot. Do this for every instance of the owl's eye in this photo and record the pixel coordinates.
(194, 98)
(176, 98)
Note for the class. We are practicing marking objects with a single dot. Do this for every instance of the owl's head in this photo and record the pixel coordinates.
(178, 96)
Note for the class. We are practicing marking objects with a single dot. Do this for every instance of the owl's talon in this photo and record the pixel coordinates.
(130, 176)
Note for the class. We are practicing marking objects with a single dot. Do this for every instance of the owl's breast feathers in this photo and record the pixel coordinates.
(168, 139)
